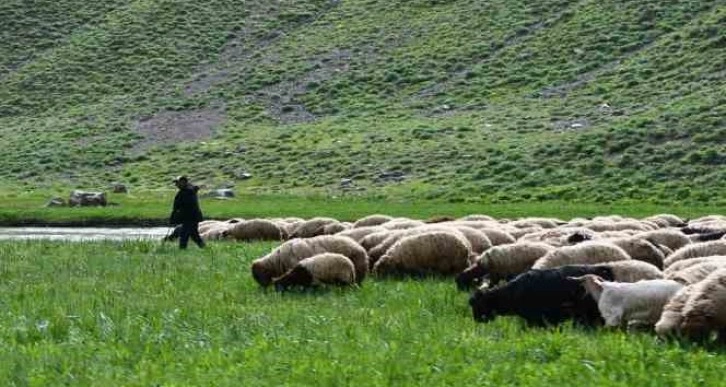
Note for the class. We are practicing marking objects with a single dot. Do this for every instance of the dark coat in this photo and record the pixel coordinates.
(186, 207)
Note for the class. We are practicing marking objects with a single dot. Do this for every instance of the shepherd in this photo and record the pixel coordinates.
(186, 212)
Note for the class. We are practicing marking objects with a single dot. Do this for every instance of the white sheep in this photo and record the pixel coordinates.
(372, 220)
(686, 263)
(632, 270)
(583, 253)
(703, 249)
(672, 238)
(634, 304)
(697, 272)
(436, 252)
(502, 262)
(321, 269)
(705, 310)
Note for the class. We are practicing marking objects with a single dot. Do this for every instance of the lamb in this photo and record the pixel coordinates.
(583, 253)
(372, 220)
(311, 228)
(632, 270)
(541, 297)
(672, 238)
(696, 273)
(634, 304)
(502, 263)
(641, 250)
(686, 263)
(321, 269)
(695, 250)
(671, 318)
(255, 229)
(287, 255)
(705, 310)
(436, 252)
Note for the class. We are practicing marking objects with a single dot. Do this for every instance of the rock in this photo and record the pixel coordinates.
(243, 176)
(56, 202)
(222, 193)
(87, 199)
(346, 182)
(391, 176)
(119, 188)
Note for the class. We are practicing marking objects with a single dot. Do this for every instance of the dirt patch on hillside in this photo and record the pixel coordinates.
(169, 127)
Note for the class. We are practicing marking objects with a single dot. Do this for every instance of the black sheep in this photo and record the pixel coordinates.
(542, 297)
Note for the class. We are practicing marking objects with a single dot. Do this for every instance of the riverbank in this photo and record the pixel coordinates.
(152, 209)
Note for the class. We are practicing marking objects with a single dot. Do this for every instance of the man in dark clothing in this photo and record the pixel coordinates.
(186, 212)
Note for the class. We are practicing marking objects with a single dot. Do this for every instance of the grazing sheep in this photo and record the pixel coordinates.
(632, 270)
(560, 236)
(672, 238)
(210, 224)
(584, 253)
(541, 297)
(358, 233)
(498, 237)
(287, 255)
(477, 239)
(371, 220)
(703, 249)
(334, 228)
(214, 233)
(436, 252)
(697, 272)
(255, 229)
(538, 222)
(671, 318)
(518, 233)
(665, 250)
(635, 304)
(402, 224)
(641, 250)
(686, 263)
(311, 228)
(477, 217)
(705, 310)
(600, 226)
(502, 263)
(372, 240)
(321, 269)
(669, 220)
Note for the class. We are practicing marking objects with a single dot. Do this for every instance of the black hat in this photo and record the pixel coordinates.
(180, 178)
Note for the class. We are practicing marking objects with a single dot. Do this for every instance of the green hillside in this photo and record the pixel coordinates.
(498, 100)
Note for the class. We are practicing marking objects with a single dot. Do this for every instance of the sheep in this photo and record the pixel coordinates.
(477, 239)
(321, 269)
(402, 224)
(372, 240)
(665, 250)
(671, 318)
(599, 226)
(669, 219)
(358, 233)
(521, 232)
(697, 272)
(695, 250)
(641, 250)
(255, 229)
(502, 263)
(476, 217)
(311, 228)
(372, 220)
(583, 253)
(498, 237)
(210, 224)
(540, 222)
(439, 219)
(541, 297)
(636, 304)
(672, 238)
(711, 236)
(705, 310)
(334, 228)
(288, 254)
(704, 227)
(214, 233)
(560, 236)
(686, 263)
(435, 252)
(632, 270)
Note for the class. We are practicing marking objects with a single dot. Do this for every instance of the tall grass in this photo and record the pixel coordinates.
(145, 313)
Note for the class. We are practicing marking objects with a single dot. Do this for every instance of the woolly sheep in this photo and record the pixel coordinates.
(703, 249)
(402, 224)
(669, 219)
(357, 234)
(521, 232)
(498, 237)
(705, 310)
(583, 253)
(255, 229)
(502, 262)
(210, 224)
(374, 239)
(287, 255)
(686, 263)
(371, 220)
(561, 236)
(475, 217)
(697, 272)
(631, 303)
(672, 238)
(540, 222)
(334, 228)
(711, 236)
(214, 233)
(617, 226)
(671, 318)
(632, 270)
(641, 250)
(477, 239)
(321, 269)
(439, 252)
(541, 297)
(311, 228)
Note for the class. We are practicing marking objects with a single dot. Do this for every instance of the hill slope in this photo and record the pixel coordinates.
(466, 100)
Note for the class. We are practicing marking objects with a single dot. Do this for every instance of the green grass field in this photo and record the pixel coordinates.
(144, 313)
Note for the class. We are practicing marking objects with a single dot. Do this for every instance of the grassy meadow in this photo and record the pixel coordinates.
(145, 313)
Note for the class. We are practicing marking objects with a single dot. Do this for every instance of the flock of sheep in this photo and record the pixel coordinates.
(659, 272)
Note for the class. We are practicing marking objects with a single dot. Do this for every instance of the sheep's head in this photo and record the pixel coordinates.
(297, 276)
(483, 305)
(592, 283)
(469, 277)
(261, 274)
